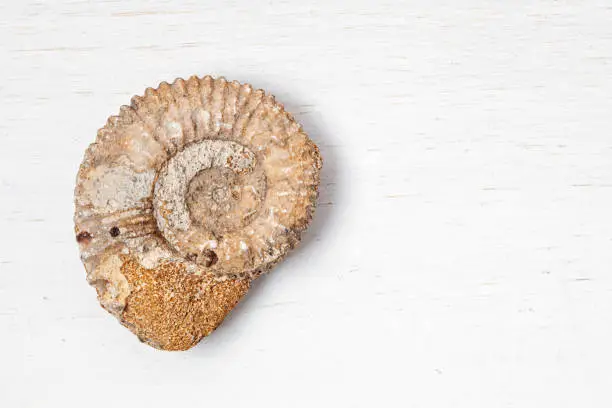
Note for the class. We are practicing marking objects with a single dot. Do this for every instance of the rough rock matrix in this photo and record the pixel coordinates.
(190, 193)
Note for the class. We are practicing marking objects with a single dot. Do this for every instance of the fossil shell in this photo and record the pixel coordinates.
(191, 192)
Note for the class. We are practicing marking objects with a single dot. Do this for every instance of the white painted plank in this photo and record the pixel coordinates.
(461, 253)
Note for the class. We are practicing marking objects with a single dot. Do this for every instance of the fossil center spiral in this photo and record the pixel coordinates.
(222, 200)
(208, 189)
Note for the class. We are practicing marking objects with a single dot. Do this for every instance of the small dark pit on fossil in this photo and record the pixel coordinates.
(114, 232)
(84, 237)
(209, 258)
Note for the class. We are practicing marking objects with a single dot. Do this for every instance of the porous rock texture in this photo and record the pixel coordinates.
(191, 192)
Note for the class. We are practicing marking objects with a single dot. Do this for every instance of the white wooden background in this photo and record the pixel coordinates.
(461, 254)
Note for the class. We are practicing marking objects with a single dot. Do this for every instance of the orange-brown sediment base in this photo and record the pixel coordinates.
(172, 310)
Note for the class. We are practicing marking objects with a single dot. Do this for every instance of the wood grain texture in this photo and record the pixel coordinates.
(461, 252)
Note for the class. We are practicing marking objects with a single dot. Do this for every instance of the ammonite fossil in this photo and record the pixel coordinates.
(189, 194)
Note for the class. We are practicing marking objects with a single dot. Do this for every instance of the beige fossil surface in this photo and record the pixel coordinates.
(186, 196)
